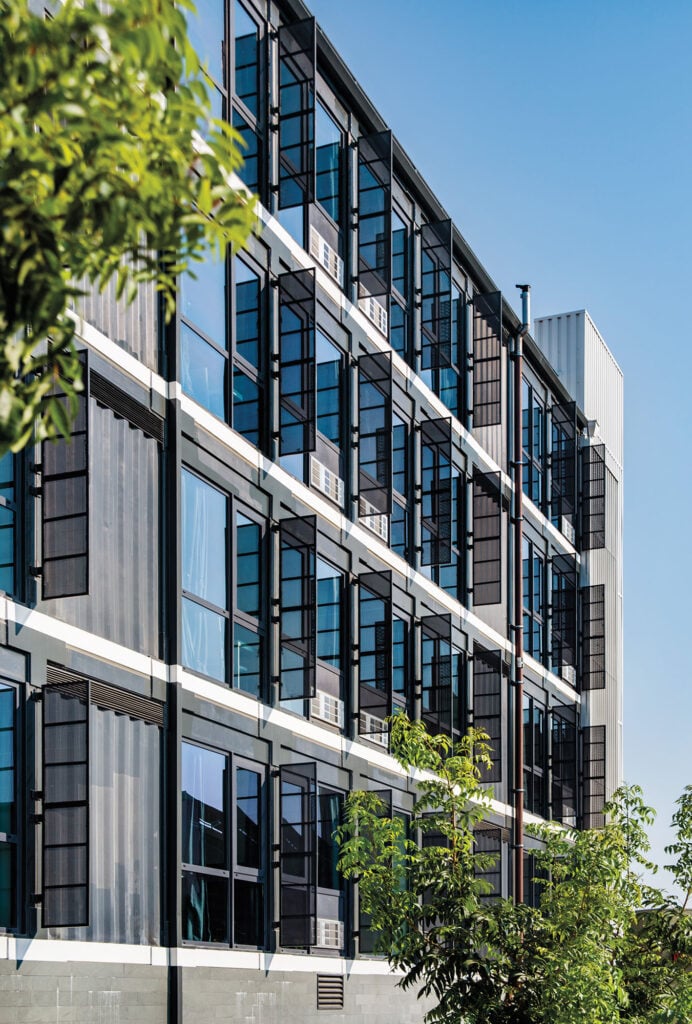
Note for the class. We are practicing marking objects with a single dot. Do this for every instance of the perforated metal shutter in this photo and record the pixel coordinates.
(593, 667)
(564, 767)
(298, 855)
(594, 754)
(65, 804)
(436, 496)
(436, 294)
(487, 359)
(564, 611)
(488, 841)
(298, 607)
(487, 704)
(297, 369)
(375, 702)
(375, 213)
(593, 506)
(65, 504)
(563, 461)
(487, 538)
(375, 434)
(297, 57)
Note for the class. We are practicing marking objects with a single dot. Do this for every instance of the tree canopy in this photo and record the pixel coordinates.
(602, 947)
(103, 174)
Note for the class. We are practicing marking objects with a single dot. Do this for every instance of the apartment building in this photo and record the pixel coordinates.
(286, 514)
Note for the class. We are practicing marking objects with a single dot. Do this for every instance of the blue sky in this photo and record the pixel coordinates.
(558, 136)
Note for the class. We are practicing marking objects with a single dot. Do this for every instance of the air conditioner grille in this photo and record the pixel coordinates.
(374, 729)
(330, 933)
(327, 708)
(375, 312)
(326, 256)
(374, 520)
(326, 481)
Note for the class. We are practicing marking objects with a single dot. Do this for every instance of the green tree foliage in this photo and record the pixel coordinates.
(602, 947)
(102, 176)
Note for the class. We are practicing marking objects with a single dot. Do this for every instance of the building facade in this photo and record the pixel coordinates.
(283, 516)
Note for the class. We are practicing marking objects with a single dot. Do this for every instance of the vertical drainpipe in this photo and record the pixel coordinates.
(518, 602)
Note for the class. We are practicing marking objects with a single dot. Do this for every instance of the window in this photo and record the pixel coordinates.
(375, 436)
(564, 617)
(375, 213)
(249, 616)
(399, 531)
(443, 705)
(533, 444)
(223, 855)
(535, 757)
(312, 909)
(329, 404)
(206, 32)
(204, 344)
(205, 572)
(328, 158)
(564, 766)
(8, 521)
(534, 600)
(298, 611)
(205, 586)
(8, 807)
(329, 596)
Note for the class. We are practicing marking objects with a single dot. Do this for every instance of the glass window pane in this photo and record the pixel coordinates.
(246, 407)
(202, 372)
(203, 298)
(204, 540)
(204, 640)
(205, 29)
(330, 805)
(205, 908)
(247, 313)
(246, 40)
(203, 807)
(248, 566)
(248, 848)
(8, 855)
(249, 172)
(328, 160)
(248, 913)
(247, 660)
(7, 787)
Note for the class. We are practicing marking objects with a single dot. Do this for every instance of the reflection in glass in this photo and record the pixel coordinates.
(247, 660)
(246, 46)
(248, 839)
(202, 372)
(248, 913)
(329, 809)
(7, 796)
(328, 399)
(249, 172)
(205, 907)
(203, 807)
(329, 583)
(328, 158)
(204, 540)
(203, 298)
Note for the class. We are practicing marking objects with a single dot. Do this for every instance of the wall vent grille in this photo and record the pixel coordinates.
(125, 406)
(111, 698)
(330, 992)
(567, 529)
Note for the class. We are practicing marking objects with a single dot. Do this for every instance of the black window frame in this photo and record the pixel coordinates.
(233, 872)
(533, 462)
(535, 766)
(534, 616)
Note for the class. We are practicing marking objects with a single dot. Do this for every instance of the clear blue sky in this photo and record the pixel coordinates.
(558, 136)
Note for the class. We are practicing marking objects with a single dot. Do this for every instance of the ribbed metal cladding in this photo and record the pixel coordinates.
(128, 408)
(113, 698)
(330, 992)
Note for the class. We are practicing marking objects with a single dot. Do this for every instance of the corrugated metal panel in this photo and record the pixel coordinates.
(603, 391)
(125, 810)
(134, 327)
(561, 339)
(124, 531)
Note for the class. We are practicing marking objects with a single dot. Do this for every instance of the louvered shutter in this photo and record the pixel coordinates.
(563, 463)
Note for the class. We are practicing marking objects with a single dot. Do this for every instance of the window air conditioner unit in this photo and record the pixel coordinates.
(327, 257)
(374, 520)
(567, 529)
(327, 708)
(330, 933)
(326, 481)
(569, 674)
(375, 312)
(374, 729)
